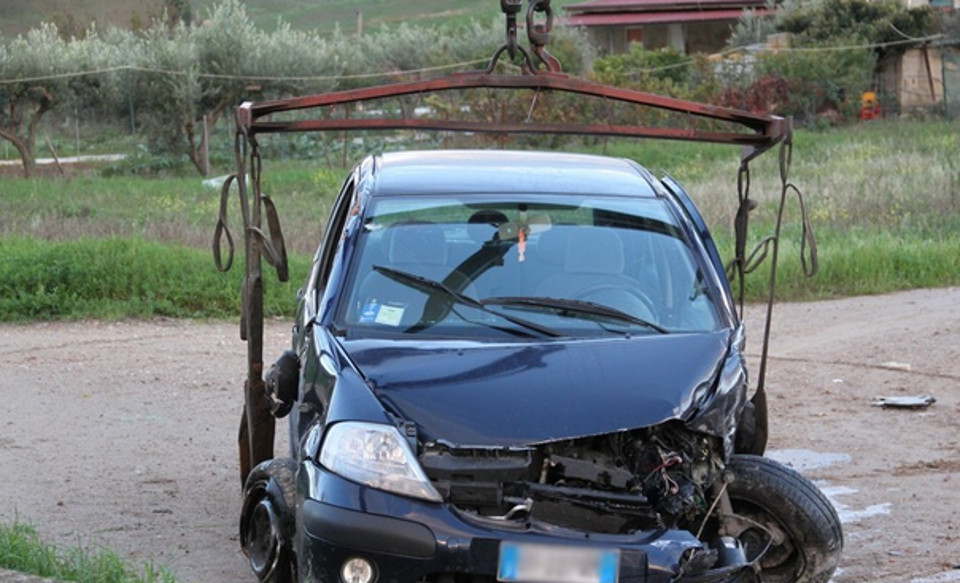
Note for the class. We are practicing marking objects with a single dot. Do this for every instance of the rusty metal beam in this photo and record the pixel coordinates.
(764, 130)
(514, 127)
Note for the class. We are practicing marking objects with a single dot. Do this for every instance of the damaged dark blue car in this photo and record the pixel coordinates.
(523, 367)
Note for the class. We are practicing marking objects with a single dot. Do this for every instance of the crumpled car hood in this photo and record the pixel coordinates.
(470, 393)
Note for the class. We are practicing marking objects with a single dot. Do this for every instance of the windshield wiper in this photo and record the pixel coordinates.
(574, 309)
(432, 287)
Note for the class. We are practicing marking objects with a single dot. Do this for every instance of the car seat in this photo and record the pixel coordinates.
(413, 247)
(593, 264)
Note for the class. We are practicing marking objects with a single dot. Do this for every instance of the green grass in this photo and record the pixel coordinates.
(862, 262)
(22, 549)
(172, 209)
(122, 278)
(884, 199)
(18, 16)
(892, 176)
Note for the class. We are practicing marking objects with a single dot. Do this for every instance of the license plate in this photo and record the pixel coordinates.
(534, 563)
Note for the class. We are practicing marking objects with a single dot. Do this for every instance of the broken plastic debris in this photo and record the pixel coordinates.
(918, 402)
(905, 367)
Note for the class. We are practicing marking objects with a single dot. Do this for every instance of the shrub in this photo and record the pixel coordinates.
(640, 67)
(819, 81)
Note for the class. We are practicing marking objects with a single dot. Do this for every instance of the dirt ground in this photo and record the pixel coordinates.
(124, 434)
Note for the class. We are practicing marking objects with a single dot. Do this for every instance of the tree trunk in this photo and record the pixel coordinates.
(29, 161)
(45, 104)
(196, 152)
(24, 148)
(198, 144)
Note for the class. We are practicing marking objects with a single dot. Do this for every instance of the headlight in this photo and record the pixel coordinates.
(378, 456)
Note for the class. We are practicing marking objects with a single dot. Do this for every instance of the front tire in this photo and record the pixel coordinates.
(267, 521)
(768, 497)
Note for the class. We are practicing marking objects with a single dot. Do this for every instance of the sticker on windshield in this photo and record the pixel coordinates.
(389, 315)
(376, 313)
(369, 312)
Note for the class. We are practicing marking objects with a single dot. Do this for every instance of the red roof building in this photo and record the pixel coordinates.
(690, 26)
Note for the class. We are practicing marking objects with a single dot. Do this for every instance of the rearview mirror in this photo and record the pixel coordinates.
(532, 226)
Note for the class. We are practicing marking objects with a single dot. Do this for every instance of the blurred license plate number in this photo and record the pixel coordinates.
(531, 563)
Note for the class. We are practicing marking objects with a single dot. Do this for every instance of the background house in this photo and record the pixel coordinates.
(690, 26)
(923, 78)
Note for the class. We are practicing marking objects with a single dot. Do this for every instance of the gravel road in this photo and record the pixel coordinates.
(124, 434)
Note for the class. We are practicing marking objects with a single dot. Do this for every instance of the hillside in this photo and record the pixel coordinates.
(18, 16)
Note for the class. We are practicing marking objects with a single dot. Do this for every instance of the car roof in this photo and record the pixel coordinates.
(506, 171)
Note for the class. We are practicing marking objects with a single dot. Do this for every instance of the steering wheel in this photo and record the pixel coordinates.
(626, 299)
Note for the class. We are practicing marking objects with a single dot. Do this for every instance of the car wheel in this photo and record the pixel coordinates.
(772, 500)
(267, 521)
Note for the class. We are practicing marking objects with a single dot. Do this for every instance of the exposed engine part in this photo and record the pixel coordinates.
(523, 507)
(617, 483)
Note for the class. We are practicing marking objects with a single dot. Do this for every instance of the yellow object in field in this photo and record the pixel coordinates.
(869, 108)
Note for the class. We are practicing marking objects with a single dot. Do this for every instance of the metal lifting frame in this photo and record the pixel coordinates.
(539, 71)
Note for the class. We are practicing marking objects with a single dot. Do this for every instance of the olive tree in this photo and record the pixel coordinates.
(289, 62)
(36, 74)
(182, 77)
(42, 71)
(226, 45)
(97, 62)
(164, 83)
(190, 76)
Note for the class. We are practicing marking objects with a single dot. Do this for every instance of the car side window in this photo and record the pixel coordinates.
(332, 235)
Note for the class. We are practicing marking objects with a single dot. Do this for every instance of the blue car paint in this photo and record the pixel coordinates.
(494, 393)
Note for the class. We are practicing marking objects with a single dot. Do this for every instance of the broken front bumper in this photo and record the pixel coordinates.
(407, 540)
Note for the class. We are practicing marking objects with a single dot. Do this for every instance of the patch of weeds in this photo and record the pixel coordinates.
(22, 549)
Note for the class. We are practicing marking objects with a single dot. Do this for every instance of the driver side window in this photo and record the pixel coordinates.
(332, 236)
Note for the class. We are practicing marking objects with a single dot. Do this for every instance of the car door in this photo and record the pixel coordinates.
(311, 343)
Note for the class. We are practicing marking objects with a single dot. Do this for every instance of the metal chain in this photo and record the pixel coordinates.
(538, 33)
(511, 8)
(539, 25)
